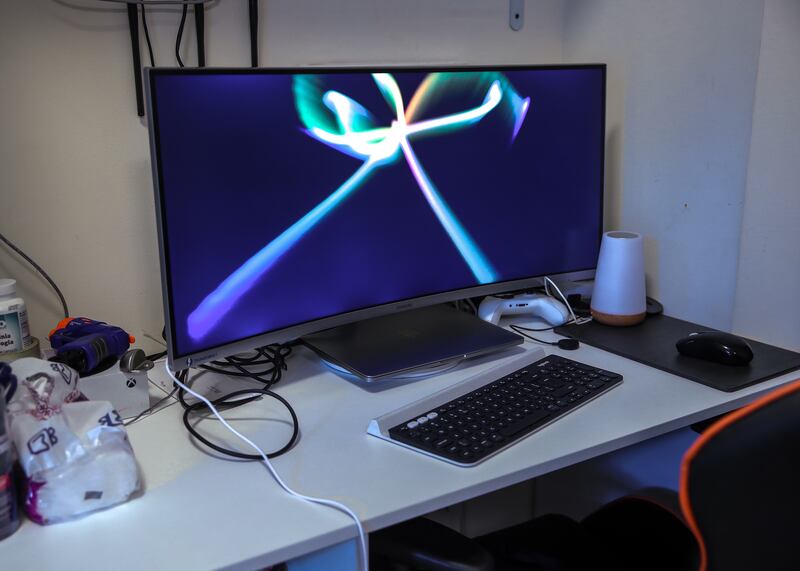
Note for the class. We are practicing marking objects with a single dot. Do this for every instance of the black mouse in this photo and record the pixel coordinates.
(717, 347)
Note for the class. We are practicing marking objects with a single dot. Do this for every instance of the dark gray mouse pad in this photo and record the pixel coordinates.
(653, 343)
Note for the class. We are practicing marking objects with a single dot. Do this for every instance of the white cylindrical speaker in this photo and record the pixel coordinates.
(619, 296)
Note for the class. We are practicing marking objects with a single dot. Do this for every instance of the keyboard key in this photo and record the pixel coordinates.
(565, 390)
(529, 422)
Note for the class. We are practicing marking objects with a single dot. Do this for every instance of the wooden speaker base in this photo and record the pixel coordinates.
(618, 320)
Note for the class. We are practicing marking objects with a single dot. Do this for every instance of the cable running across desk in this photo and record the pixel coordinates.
(265, 458)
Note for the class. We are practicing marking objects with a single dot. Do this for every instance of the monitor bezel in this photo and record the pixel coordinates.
(283, 335)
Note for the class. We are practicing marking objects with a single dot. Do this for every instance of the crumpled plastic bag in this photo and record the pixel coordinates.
(76, 455)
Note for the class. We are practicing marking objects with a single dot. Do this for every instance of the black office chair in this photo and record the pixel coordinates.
(739, 500)
(424, 545)
(739, 486)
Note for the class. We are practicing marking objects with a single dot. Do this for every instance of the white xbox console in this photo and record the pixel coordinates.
(538, 305)
(126, 390)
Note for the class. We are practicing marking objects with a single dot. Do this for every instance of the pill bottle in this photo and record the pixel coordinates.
(14, 333)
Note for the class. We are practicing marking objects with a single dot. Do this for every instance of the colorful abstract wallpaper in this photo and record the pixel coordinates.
(288, 197)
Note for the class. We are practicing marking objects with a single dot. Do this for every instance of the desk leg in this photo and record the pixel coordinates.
(339, 557)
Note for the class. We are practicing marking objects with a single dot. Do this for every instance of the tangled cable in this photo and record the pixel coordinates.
(270, 362)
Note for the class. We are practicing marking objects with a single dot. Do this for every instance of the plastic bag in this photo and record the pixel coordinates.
(76, 455)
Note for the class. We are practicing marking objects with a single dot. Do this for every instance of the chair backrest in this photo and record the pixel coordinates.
(740, 487)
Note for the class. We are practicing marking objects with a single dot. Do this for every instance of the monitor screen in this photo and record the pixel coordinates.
(293, 200)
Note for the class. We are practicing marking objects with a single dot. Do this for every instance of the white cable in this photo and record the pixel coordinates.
(547, 291)
(330, 503)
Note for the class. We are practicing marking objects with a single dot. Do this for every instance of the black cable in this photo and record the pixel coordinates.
(199, 27)
(222, 403)
(272, 355)
(183, 377)
(39, 269)
(184, 11)
(155, 356)
(152, 409)
(542, 329)
(133, 27)
(519, 330)
(253, 11)
(147, 38)
(567, 343)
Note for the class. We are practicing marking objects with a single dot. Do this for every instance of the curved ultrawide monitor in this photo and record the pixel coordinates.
(294, 200)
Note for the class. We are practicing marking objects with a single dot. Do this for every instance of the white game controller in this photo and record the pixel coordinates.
(549, 309)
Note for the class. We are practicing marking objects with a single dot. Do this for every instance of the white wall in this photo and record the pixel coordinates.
(681, 86)
(74, 160)
(74, 163)
(768, 282)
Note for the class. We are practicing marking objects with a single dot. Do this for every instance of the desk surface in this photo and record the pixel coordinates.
(203, 512)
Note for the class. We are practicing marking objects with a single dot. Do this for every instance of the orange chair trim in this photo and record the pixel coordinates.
(700, 443)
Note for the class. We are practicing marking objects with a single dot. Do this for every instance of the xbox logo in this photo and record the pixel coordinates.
(131, 382)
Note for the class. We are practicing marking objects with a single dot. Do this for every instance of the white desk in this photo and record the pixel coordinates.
(202, 512)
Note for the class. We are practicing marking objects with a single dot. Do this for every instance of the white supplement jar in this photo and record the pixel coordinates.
(14, 333)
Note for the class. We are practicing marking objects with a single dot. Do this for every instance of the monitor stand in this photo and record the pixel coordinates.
(394, 345)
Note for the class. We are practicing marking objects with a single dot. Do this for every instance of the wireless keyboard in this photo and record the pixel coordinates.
(503, 410)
